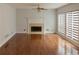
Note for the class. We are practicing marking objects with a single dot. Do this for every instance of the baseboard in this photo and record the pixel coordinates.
(29, 33)
(21, 32)
(38, 33)
(49, 33)
(7, 39)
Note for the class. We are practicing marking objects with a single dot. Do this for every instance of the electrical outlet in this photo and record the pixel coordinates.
(24, 29)
(47, 29)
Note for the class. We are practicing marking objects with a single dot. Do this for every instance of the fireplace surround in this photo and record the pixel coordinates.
(35, 28)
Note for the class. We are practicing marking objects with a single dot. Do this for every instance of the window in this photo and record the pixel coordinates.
(68, 24)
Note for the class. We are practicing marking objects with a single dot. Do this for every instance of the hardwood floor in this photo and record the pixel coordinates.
(49, 44)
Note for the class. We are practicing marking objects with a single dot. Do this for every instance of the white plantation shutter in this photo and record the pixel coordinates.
(75, 23)
(69, 25)
(72, 25)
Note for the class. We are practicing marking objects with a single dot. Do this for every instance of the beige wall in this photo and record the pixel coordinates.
(7, 22)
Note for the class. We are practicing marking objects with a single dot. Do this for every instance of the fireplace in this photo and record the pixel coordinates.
(36, 29)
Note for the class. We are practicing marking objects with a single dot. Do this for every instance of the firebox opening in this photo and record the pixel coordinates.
(36, 29)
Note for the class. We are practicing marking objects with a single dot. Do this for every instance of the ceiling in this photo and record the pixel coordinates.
(34, 5)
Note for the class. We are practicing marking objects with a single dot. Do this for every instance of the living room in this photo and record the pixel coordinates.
(39, 29)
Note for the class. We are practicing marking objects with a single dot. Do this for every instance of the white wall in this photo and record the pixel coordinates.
(7, 22)
(47, 16)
